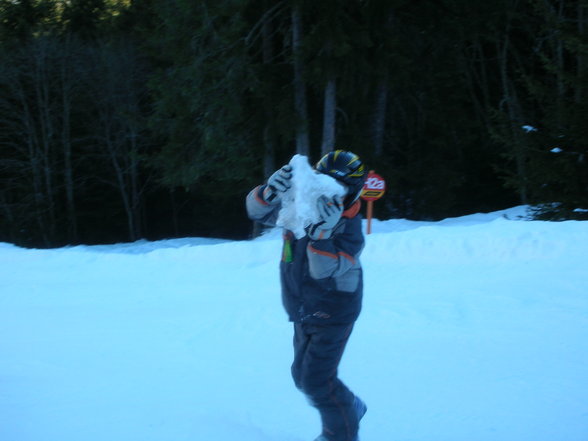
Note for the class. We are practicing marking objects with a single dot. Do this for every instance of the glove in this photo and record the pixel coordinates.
(330, 211)
(278, 183)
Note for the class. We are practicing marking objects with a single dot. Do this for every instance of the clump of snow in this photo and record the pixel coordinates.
(299, 203)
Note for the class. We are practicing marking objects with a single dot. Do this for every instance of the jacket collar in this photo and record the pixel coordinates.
(353, 210)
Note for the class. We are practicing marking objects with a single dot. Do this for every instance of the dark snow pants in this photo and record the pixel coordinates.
(317, 353)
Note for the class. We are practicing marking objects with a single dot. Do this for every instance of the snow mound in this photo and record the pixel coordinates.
(299, 203)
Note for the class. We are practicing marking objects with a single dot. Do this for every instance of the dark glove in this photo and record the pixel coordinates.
(330, 211)
(278, 183)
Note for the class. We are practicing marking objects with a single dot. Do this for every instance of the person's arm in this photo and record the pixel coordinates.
(259, 209)
(264, 201)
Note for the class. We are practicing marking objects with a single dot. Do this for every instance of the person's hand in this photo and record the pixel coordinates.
(278, 183)
(330, 211)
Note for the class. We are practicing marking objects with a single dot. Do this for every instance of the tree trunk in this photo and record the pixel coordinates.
(476, 77)
(559, 51)
(35, 169)
(330, 106)
(379, 121)
(302, 138)
(514, 117)
(41, 78)
(135, 189)
(118, 128)
(580, 63)
(66, 102)
(269, 138)
(382, 90)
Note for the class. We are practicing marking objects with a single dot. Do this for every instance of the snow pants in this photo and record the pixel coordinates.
(317, 353)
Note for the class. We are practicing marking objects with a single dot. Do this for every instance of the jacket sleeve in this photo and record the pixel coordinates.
(260, 210)
(337, 256)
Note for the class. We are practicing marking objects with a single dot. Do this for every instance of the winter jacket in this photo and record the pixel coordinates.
(322, 280)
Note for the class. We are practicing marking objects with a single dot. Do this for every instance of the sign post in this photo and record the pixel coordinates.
(373, 189)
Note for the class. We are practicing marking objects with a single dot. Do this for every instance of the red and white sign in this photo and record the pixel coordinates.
(374, 187)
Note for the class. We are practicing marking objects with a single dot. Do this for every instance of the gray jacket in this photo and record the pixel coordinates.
(322, 280)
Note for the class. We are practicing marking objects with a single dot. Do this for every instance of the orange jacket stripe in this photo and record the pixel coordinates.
(257, 198)
(331, 255)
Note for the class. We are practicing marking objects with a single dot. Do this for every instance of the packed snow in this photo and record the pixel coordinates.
(473, 329)
(299, 202)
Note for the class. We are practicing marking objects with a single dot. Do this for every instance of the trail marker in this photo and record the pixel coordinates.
(373, 189)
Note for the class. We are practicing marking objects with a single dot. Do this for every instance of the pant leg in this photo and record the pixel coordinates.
(318, 351)
(301, 342)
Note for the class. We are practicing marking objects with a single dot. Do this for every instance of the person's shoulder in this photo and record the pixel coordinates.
(353, 211)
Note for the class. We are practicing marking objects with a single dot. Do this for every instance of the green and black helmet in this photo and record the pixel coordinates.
(347, 168)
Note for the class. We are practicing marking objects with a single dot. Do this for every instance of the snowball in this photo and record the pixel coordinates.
(300, 201)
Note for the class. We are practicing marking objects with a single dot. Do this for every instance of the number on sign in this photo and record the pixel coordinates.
(373, 183)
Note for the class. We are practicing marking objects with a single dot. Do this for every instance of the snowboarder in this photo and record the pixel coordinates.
(322, 285)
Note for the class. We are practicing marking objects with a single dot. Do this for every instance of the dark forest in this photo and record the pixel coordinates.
(122, 120)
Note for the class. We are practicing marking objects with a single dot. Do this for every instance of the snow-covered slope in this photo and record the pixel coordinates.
(473, 329)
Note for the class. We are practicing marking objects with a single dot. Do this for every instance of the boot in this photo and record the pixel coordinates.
(360, 410)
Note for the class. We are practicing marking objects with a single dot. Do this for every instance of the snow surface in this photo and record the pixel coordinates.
(473, 329)
(299, 202)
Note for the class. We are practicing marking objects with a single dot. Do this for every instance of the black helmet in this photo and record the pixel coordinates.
(347, 168)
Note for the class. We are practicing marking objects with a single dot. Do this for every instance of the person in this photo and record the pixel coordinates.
(322, 286)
